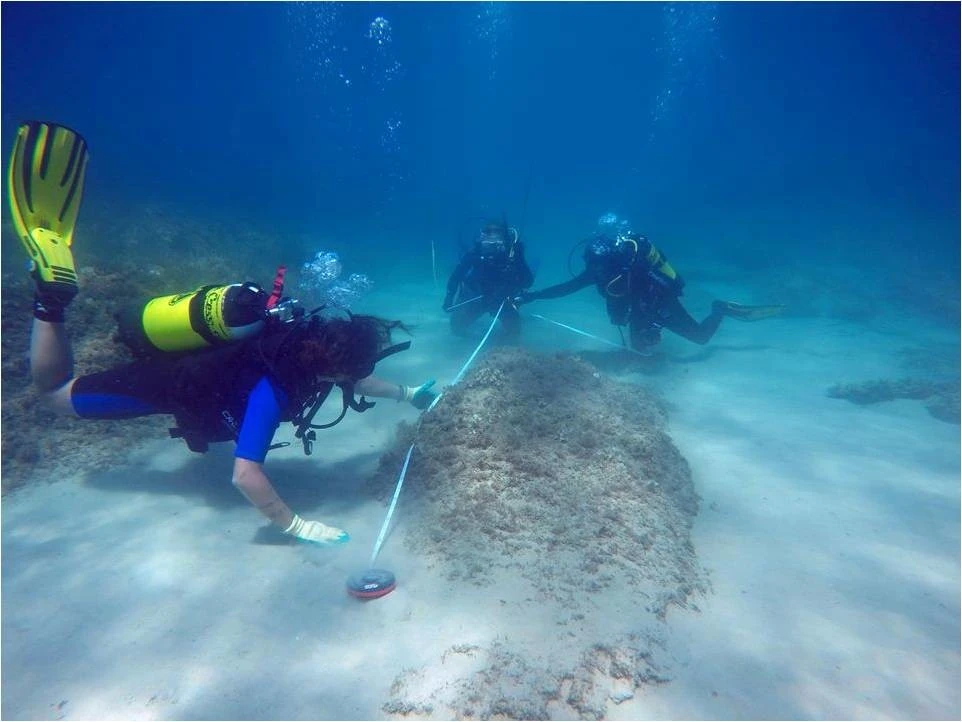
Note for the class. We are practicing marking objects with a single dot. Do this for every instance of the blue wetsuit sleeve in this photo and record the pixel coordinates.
(261, 418)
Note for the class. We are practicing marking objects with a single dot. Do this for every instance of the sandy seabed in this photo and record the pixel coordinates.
(824, 559)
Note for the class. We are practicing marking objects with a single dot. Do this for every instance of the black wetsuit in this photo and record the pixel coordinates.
(494, 280)
(642, 295)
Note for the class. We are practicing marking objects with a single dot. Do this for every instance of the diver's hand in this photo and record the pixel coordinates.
(420, 396)
(316, 532)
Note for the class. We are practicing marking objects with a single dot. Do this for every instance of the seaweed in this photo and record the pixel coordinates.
(941, 398)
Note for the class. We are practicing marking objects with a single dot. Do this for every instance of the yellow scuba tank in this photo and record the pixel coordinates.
(660, 264)
(208, 316)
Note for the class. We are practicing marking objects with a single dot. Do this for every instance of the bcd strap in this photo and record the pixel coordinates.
(304, 421)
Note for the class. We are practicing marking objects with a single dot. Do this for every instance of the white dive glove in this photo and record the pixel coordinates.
(316, 532)
(420, 397)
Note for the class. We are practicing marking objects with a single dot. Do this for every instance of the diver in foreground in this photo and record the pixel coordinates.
(228, 362)
(641, 290)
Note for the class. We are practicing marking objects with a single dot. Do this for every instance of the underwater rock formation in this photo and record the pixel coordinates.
(500, 683)
(547, 457)
(541, 469)
(941, 398)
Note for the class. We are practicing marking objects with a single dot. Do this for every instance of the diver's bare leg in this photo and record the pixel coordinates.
(51, 363)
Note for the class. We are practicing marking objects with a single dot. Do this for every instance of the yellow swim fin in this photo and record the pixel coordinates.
(45, 181)
(748, 313)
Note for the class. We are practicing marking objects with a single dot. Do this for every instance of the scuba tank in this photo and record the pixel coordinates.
(215, 317)
(207, 317)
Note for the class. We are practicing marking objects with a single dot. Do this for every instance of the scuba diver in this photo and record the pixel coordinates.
(493, 270)
(641, 290)
(228, 362)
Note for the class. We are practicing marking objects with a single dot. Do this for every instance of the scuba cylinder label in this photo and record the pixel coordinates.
(208, 316)
(213, 310)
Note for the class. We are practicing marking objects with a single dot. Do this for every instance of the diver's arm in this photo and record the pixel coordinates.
(561, 289)
(261, 417)
(419, 396)
(252, 482)
(379, 388)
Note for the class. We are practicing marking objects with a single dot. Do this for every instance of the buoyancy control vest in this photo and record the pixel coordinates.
(222, 340)
(210, 390)
(630, 270)
(637, 266)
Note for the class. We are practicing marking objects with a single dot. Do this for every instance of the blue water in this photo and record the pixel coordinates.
(803, 154)
(812, 129)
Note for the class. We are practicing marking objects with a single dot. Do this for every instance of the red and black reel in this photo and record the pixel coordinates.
(371, 584)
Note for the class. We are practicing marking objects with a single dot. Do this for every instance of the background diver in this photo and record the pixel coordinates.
(493, 270)
(641, 290)
(264, 368)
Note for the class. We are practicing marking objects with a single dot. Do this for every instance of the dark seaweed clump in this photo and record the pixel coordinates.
(941, 398)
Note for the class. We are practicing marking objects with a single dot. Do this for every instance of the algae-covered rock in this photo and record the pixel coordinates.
(36, 441)
(531, 459)
(543, 486)
(941, 398)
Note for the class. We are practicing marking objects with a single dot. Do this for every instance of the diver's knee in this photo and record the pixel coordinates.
(58, 399)
(646, 338)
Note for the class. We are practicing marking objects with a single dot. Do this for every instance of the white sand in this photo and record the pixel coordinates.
(831, 532)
